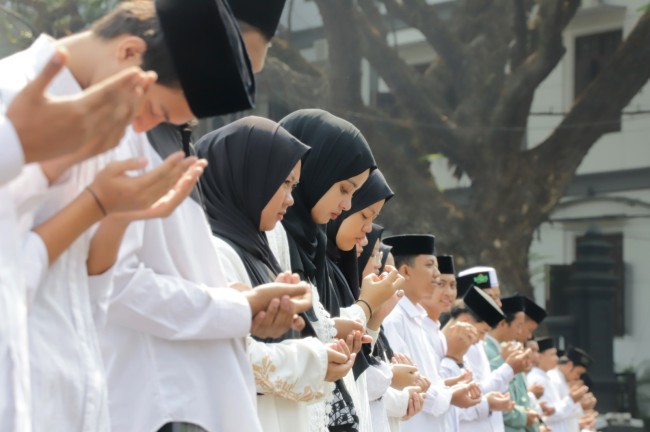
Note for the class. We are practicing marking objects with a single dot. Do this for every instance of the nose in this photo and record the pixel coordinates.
(436, 272)
(367, 228)
(289, 200)
(346, 204)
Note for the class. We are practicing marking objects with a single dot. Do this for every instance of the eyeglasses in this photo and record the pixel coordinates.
(376, 258)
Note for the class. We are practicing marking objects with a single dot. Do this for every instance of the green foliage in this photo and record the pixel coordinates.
(21, 21)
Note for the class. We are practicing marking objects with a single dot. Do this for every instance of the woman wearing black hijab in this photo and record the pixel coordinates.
(254, 164)
(368, 262)
(339, 163)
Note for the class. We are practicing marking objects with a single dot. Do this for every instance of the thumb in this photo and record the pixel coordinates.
(52, 68)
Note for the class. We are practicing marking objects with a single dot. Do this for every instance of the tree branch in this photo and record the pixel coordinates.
(510, 110)
(558, 157)
(402, 80)
(422, 16)
(344, 53)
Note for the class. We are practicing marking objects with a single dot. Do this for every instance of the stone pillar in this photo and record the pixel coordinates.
(591, 304)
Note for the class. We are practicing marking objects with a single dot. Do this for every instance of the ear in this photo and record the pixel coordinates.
(404, 271)
(130, 49)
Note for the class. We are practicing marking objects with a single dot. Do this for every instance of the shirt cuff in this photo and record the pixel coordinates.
(13, 158)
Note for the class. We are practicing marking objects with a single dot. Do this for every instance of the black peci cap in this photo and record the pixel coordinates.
(446, 264)
(209, 55)
(513, 304)
(579, 357)
(483, 306)
(545, 343)
(412, 244)
(534, 311)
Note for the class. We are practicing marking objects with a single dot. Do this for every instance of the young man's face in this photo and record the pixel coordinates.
(443, 297)
(162, 104)
(527, 330)
(515, 328)
(421, 277)
(548, 359)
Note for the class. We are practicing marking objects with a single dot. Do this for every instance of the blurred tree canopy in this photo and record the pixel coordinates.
(471, 103)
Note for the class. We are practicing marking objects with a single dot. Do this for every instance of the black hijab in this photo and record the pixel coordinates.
(338, 152)
(373, 237)
(248, 161)
(373, 190)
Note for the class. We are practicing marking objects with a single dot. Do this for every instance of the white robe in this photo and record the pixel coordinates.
(438, 343)
(67, 379)
(15, 399)
(325, 331)
(174, 343)
(572, 419)
(288, 375)
(404, 328)
(479, 418)
(387, 405)
(564, 406)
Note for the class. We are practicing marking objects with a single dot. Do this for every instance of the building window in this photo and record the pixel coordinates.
(592, 53)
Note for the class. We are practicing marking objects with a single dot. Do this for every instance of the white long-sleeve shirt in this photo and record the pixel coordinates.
(15, 399)
(404, 328)
(174, 343)
(67, 381)
(288, 375)
(564, 406)
(561, 386)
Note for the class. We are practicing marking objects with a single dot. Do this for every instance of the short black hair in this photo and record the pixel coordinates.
(510, 317)
(400, 260)
(139, 18)
(459, 308)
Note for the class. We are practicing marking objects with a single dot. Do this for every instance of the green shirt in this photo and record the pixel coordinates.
(515, 420)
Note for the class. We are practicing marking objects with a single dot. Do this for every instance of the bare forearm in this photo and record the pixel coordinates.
(62, 229)
(105, 244)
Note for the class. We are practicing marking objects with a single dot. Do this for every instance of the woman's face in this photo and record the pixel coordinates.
(373, 264)
(337, 199)
(276, 208)
(354, 228)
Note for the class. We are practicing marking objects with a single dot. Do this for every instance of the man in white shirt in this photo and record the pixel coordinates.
(560, 408)
(404, 327)
(479, 310)
(35, 127)
(565, 378)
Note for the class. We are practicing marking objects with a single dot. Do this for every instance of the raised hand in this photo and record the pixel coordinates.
(261, 297)
(537, 389)
(404, 376)
(375, 290)
(518, 361)
(500, 401)
(460, 336)
(339, 360)
(115, 191)
(416, 401)
(96, 118)
(466, 395)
